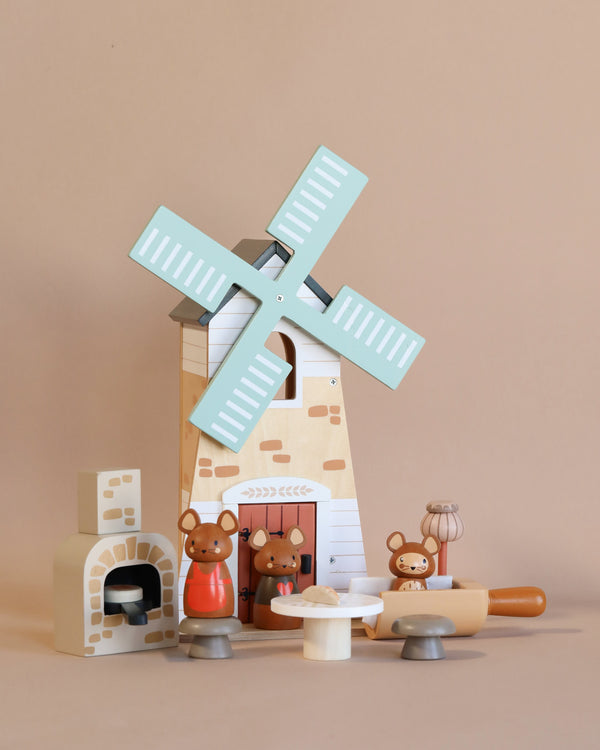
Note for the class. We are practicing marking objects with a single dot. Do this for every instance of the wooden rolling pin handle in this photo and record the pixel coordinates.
(525, 601)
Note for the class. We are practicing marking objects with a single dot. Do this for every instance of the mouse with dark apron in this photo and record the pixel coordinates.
(278, 561)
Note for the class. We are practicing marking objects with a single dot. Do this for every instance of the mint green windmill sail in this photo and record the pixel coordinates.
(203, 270)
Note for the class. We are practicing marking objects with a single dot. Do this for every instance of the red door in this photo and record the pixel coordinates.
(277, 519)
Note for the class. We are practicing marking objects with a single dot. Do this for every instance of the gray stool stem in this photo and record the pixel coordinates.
(210, 647)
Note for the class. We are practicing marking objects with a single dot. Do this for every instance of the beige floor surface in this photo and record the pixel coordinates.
(516, 684)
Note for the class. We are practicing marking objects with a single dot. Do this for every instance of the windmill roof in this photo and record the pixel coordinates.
(257, 253)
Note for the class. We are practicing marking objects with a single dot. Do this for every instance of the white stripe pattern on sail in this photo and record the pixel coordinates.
(149, 240)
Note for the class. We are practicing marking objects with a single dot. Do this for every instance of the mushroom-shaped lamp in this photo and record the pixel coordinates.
(442, 520)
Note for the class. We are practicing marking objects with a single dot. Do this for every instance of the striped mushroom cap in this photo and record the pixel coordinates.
(442, 520)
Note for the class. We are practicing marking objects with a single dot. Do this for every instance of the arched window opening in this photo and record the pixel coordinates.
(283, 347)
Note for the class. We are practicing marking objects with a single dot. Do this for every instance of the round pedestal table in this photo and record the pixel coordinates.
(327, 627)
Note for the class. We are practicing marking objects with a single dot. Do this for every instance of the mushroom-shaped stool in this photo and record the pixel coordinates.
(210, 636)
(423, 635)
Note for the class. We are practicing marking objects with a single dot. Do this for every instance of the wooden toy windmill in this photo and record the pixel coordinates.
(242, 447)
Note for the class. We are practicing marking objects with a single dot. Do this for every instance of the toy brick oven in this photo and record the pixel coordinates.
(115, 587)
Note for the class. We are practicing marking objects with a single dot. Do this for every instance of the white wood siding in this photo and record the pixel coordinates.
(346, 558)
(312, 357)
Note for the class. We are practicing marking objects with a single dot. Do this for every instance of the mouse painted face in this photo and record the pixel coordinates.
(208, 542)
(277, 557)
(412, 559)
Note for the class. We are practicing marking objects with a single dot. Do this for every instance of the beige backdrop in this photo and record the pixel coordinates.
(477, 124)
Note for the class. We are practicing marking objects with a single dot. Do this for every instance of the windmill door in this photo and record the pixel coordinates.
(277, 518)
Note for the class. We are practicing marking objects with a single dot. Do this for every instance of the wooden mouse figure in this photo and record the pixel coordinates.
(411, 562)
(278, 561)
(208, 588)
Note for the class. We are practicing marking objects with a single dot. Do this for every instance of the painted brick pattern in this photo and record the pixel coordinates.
(161, 621)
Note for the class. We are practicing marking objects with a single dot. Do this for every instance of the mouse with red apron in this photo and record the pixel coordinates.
(208, 588)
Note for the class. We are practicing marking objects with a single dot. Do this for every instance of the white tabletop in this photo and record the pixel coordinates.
(351, 605)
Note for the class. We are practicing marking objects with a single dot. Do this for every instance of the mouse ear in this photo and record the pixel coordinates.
(228, 522)
(258, 538)
(295, 536)
(432, 544)
(188, 521)
(395, 540)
